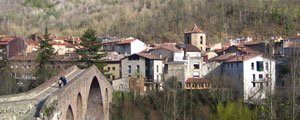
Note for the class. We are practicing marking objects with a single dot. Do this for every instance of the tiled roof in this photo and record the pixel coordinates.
(168, 46)
(197, 80)
(5, 40)
(195, 29)
(126, 41)
(32, 57)
(234, 58)
(240, 58)
(62, 44)
(253, 42)
(149, 56)
(191, 48)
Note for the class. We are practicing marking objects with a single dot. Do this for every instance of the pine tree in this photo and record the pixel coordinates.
(43, 60)
(90, 50)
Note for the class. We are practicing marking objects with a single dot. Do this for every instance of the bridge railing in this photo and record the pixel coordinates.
(29, 94)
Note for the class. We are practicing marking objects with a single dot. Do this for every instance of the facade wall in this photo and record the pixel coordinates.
(113, 69)
(178, 56)
(195, 39)
(121, 84)
(123, 49)
(193, 68)
(158, 70)
(125, 63)
(165, 53)
(137, 46)
(15, 47)
(176, 70)
(260, 90)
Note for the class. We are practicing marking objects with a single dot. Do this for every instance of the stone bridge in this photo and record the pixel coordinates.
(87, 96)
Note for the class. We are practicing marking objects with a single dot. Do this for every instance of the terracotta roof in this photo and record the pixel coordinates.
(126, 41)
(32, 57)
(291, 45)
(191, 48)
(233, 57)
(195, 29)
(223, 57)
(240, 58)
(168, 46)
(23, 57)
(62, 44)
(253, 42)
(197, 80)
(149, 56)
(241, 48)
(5, 40)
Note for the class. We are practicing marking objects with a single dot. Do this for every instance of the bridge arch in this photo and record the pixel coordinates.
(70, 115)
(95, 101)
(79, 105)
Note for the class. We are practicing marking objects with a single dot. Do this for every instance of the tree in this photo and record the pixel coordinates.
(8, 84)
(43, 60)
(90, 50)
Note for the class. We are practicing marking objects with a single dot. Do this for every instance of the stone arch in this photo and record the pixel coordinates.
(79, 106)
(70, 115)
(94, 109)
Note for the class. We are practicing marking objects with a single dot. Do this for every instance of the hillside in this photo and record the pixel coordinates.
(152, 20)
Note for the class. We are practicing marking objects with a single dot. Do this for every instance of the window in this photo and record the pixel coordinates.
(253, 84)
(113, 77)
(138, 68)
(196, 74)
(196, 66)
(260, 76)
(156, 68)
(259, 66)
(253, 76)
(231, 65)
(267, 66)
(108, 76)
(201, 40)
(267, 76)
(113, 68)
(108, 68)
(252, 66)
(227, 65)
(237, 64)
(1, 58)
(188, 40)
(129, 69)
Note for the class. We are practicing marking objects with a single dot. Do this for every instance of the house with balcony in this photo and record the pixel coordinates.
(146, 65)
(253, 74)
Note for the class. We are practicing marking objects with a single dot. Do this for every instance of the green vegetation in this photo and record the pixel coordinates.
(8, 83)
(44, 65)
(91, 50)
(235, 110)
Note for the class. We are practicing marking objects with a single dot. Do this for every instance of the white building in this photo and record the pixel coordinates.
(121, 84)
(254, 74)
(129, 46)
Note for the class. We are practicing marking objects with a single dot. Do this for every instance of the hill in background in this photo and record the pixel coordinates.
(152, 20)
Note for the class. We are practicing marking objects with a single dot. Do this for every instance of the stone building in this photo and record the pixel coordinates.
(11, 46)
(196, 37)
(147, 65)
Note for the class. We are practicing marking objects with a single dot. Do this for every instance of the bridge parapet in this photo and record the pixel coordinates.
(29, 94)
